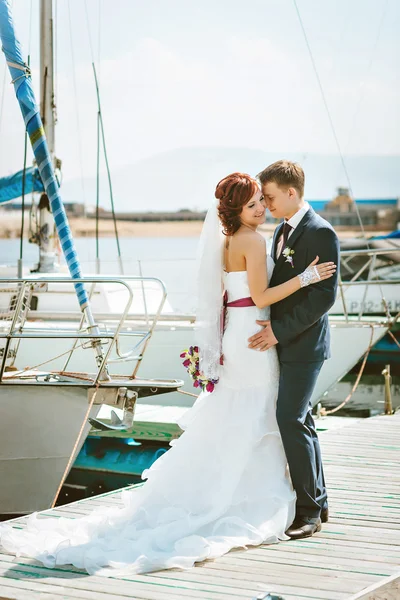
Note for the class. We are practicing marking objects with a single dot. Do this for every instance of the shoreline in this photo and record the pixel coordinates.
(10, 228)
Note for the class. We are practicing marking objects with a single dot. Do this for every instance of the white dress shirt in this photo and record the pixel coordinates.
(293, 222)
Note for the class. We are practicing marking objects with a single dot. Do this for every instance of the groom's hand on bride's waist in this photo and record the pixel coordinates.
(264, 339)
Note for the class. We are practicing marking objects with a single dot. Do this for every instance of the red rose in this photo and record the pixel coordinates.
(182, 355)
(210, 387)
(186, 362)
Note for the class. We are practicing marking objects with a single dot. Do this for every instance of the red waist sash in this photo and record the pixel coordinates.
(240, 303)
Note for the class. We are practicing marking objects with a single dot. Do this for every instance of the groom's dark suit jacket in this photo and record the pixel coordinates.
(300, 322)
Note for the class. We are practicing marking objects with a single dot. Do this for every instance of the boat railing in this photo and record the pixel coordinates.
(362, 287)
(18, 322)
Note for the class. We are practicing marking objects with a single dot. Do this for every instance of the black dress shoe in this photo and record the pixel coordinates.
(325, 515)
(304, 527)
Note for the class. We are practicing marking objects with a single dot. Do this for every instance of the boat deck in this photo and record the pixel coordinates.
(356, 555)
(158, 423)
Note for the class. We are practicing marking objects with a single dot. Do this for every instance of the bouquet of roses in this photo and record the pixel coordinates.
(192, 365)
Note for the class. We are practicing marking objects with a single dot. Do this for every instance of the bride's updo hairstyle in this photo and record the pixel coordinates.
(233, 192)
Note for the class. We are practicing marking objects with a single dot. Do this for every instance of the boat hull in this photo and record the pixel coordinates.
(349, 342)
(38, 430)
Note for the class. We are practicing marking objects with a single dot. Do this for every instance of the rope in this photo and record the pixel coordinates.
(78, 439)
(394, 339)
(45, 362)
(76, 375)
(20, 66)
(26, 74)
(325, 412)
(187, 393)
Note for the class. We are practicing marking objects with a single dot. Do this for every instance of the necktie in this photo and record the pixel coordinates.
(283, 238)
(286, 230)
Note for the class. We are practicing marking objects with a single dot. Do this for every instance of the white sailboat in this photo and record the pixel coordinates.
(44, 412)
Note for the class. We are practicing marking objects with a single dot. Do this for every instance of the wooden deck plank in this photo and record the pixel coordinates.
(253, 586)
(389, 591)
(11, 593)
(300, 580)
(186, 582)
(355, 564)
(386, 556)
(358, 549)
(236, 567)
(81, 585)
(176, 575)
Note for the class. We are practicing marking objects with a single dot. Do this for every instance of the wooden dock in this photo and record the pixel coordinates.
(355, 556)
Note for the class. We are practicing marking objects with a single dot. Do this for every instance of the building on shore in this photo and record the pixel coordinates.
(375, 213)
(341, 212)
(184, 214)
(73, 209)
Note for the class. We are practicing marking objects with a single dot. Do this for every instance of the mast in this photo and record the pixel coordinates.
(21, 79)
(47, 232)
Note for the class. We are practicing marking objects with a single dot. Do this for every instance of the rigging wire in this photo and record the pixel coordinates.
(99, 41)
(2, 99)
(80, 153)
(100, 119)
(339, 149)
(369, 66)
(361, 86)
(332, 125)
(3, 88)
(4, 81)
(21, 240)
(97, 193)
(88, 30)
(97, 150)
(101, 135)
(55, 45)
(30, 29)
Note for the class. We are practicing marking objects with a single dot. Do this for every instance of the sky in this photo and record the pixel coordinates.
(183, 74)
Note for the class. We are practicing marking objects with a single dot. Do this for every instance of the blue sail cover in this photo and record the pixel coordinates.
(392, 235)
(11, 186)
(21, 79)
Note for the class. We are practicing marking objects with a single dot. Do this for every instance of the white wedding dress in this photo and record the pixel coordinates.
(223, 484)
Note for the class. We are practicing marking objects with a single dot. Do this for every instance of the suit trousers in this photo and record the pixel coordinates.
(299, 436)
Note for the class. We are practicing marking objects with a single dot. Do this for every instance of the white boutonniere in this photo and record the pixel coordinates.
(288, 254)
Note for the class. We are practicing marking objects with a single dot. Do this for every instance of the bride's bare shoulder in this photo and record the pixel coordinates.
(249, 239)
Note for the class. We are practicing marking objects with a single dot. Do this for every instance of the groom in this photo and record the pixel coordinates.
(299, 325)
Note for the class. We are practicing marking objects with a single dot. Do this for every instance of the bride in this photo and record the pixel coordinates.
(224, 483)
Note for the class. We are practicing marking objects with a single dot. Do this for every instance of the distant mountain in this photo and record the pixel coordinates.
(186, 177)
